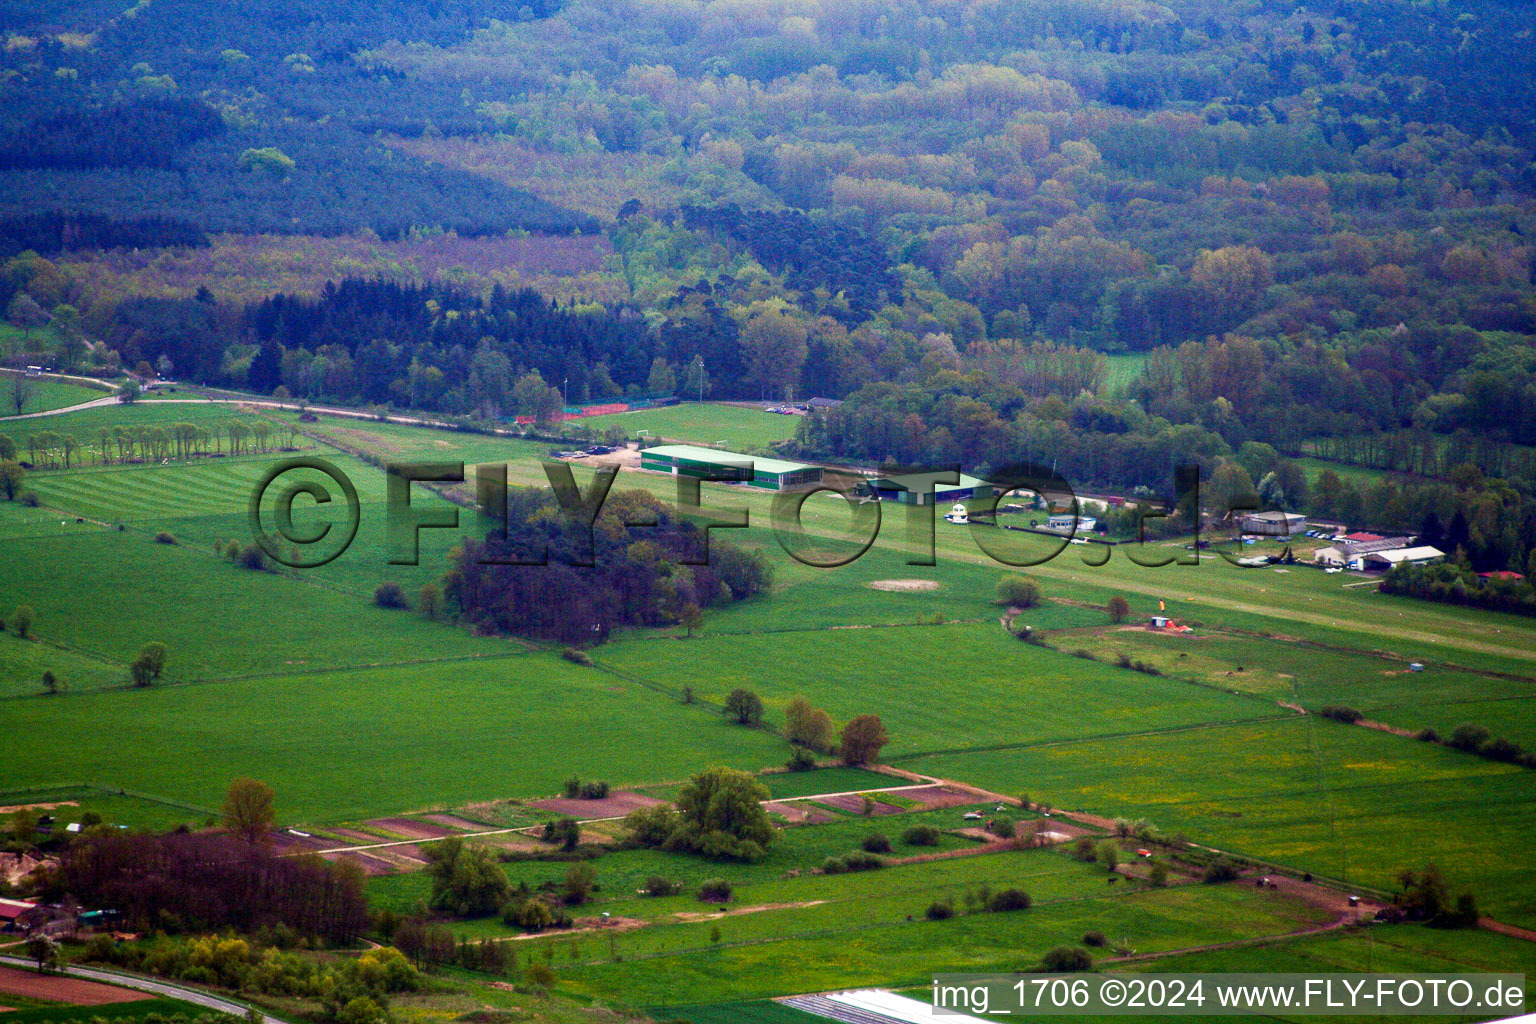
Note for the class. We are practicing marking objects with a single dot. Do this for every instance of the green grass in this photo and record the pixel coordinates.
(786, 785)
(936, 687)
(795, 849)
(1123, 370)
(218, 620)
(730, 426)
(47, 394)
(23, 662)
(863, 936)
(762, 1011)
(1341, 801)
(114, 807)
(355, 744)
(123, 1012)
(1400, 949)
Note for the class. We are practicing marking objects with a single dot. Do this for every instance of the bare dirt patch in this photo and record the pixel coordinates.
(409, 829)
(13, 808)
(904, 586)
(614, 805)
(940, 797)
(695, 916)
(853, 803)
(371, 865)
(59, 989)
(798, 813)
(456, 823)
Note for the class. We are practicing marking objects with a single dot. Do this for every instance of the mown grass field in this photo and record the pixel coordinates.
(731, 426)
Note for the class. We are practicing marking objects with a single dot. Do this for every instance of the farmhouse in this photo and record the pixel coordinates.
(1382, 560)
(1274, 524)
(713, 464)
(912, 489)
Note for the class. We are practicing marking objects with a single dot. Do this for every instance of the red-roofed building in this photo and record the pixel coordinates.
(1362, 537)
(11, 911)
(1502, 574)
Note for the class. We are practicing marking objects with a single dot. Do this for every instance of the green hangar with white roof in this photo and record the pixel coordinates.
(713, 464)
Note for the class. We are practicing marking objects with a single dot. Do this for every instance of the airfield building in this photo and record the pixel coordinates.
(714, 464)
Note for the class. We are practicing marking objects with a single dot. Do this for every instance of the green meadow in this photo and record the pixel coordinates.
(938, 688)
(1344, 802)
(352, 744)
(729, 426)
(352, 711)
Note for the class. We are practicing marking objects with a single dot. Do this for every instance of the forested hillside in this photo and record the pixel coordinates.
(1310, 224)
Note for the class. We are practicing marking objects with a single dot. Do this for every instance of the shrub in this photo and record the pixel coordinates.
(834, 866)
(716, 890)
(1157, 875)
(572, 788)
(940, 910)
(576, 656)
(921, 835)
(252, 557)
(876, 842)
(531, 915)
(1018, 591)
(801, 760)
(1220, 870)
(658, 885)
(1500, 749)
(165, 537)
(1427, 736)
(1342, 713)
(1084, 850)
(1004, 828)
(1009, 899)
(29, 499)
(1468, 737)
(389, 595)
(1065, 959)
(594, 790)
(1096, 940)
(859, 860)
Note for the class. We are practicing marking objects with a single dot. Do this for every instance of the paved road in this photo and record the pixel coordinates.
(160, 988)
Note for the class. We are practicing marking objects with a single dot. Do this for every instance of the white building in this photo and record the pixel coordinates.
(1274, 524)
(1068, 523)
(1381, 560)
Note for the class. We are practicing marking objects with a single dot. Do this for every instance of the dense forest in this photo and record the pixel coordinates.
(1308, 227)
(551, 577)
